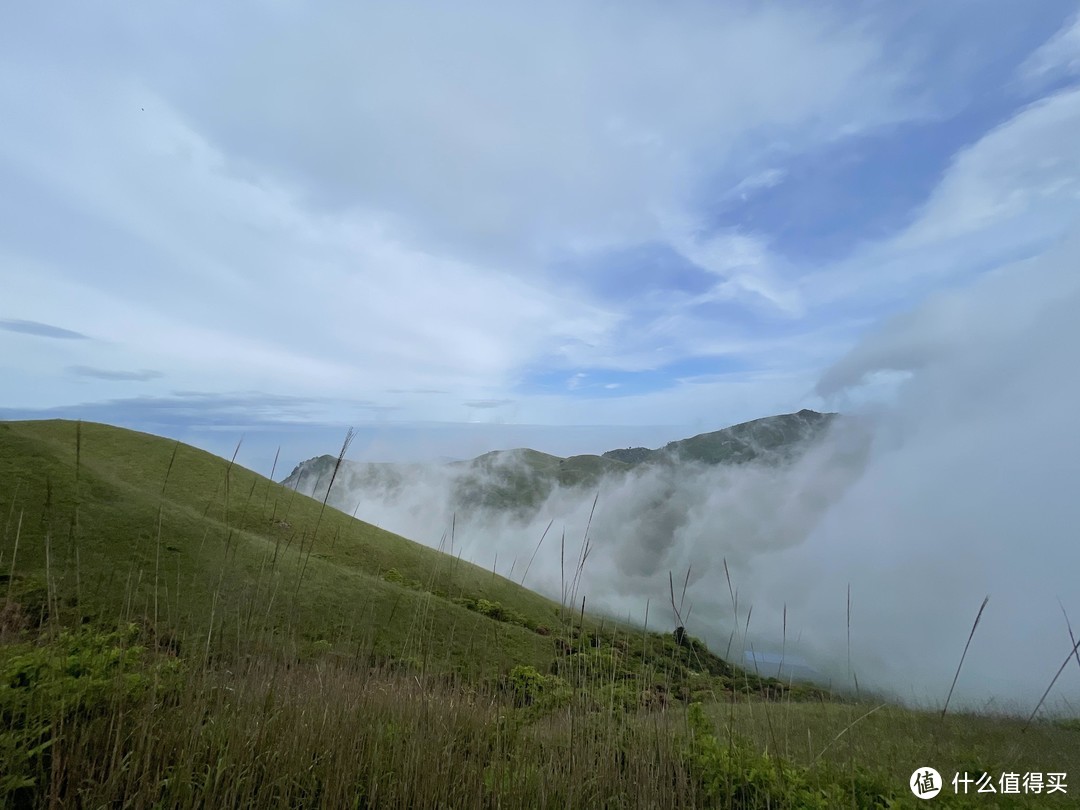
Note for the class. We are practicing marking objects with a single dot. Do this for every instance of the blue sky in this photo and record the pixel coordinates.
(508, 219)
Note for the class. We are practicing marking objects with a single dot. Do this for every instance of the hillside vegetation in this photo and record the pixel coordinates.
(177, 631)
(115, 523)
(771, 439)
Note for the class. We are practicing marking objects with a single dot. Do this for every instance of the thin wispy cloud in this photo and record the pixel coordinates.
(488, 403)
(1058, 58)
(117, 376)
(40, 329)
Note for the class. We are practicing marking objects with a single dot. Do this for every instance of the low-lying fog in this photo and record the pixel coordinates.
(966, 484)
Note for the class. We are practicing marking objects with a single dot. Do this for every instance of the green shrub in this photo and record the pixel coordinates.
(600, 664)
(737, 776)
(77, 675)
(319, 648)
(526, 684)
(542, 692)
(493, 610)
(496, 611)
(394, 576)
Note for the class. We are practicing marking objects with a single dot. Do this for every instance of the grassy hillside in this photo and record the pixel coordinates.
(110, 522)
(176, 631)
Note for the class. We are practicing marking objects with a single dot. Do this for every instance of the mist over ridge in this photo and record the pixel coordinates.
(733, 495)
(959, 484)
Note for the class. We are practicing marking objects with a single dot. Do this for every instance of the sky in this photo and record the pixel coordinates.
(264, 219)
(584, 225)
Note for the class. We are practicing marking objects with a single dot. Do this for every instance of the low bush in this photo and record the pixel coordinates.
(71, 677)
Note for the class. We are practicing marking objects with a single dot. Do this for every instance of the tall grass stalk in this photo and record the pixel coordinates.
(963, 655)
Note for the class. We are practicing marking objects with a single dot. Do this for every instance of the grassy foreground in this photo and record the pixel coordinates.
(176, 631)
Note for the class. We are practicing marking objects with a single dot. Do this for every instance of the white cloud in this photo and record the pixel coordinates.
(967, 493)
(1029, 164)
(340, 197)
(1057, 58)
(769, 178)
(325, 302)
(1009, 195)
(497, 128)
(744, 264)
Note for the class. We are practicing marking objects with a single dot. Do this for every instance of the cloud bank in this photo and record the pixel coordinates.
(963, 486)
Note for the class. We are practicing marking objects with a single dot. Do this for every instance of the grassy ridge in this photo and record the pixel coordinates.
(518, 481)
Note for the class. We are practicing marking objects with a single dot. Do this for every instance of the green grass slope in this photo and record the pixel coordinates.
(104, 522)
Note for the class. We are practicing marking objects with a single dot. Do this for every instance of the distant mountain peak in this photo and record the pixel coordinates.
(767, 439)
(631, 455)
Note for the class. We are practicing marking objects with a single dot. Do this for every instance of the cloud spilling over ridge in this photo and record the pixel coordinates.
(648, 520)
(963, 486)
(970, 490)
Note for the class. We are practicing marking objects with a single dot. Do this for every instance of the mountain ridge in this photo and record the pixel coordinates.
(520, 479)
